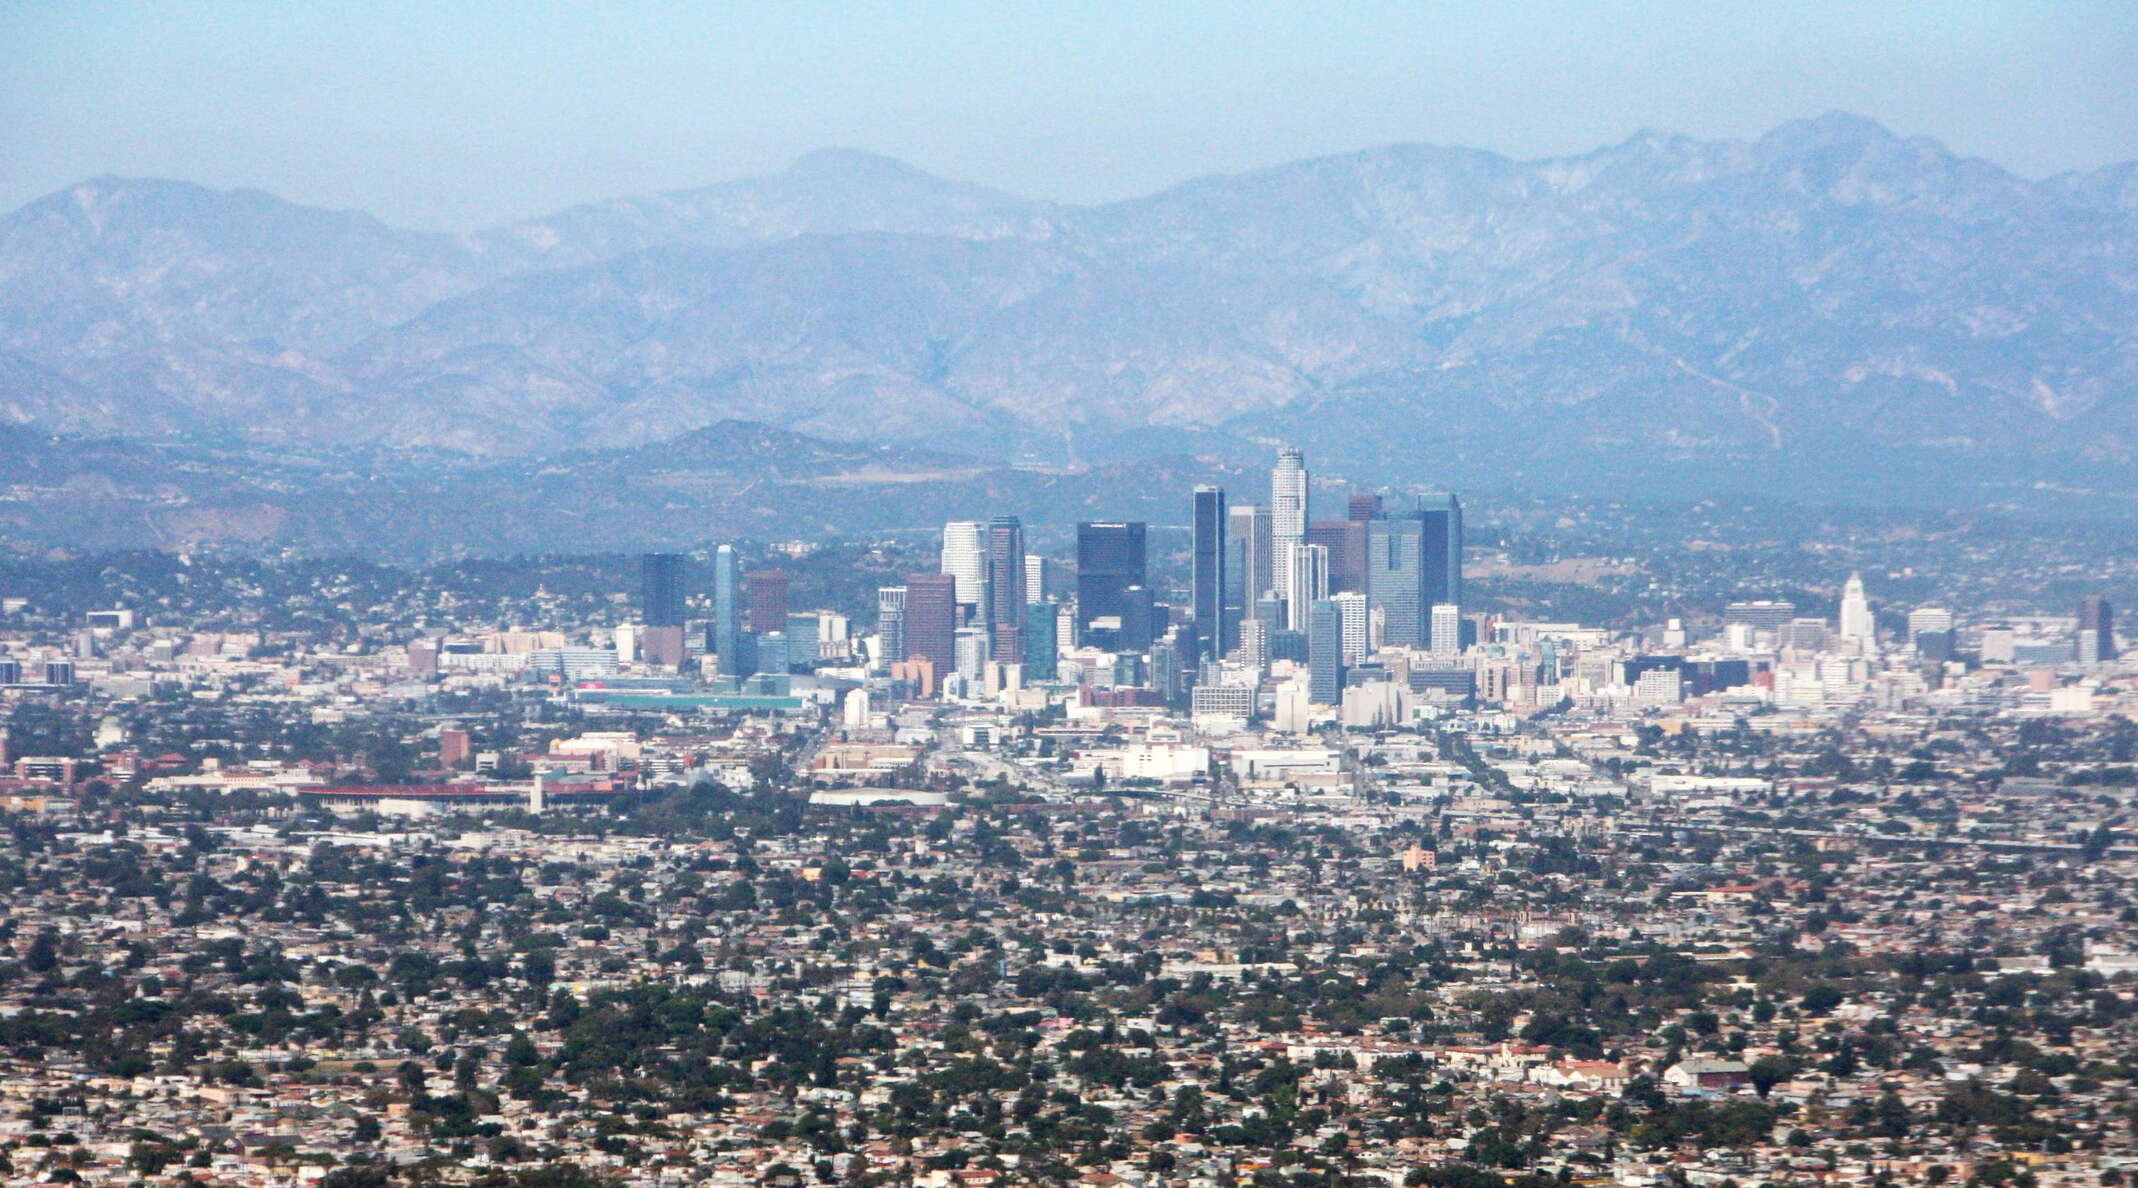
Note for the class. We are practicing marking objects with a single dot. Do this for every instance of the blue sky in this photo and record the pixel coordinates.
(459, 115)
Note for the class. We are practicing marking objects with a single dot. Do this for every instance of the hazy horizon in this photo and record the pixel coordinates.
(494, 113)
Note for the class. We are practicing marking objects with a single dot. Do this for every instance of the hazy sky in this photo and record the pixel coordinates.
(461, 114)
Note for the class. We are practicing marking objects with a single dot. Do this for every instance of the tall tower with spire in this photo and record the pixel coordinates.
(1859, 632)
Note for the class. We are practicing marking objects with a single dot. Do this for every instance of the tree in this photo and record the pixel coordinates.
(1769, 1071)
(1820, 999)
(43, 956)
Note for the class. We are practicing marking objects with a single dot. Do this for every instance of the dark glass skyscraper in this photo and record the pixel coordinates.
(1249, 569)
(1395, 579)
(1005, 588)
(2096, 640)
(1207, 581)
(1442, 515)
(1325, 653)
(1109, 559)
(1040, 649)
(660, 578)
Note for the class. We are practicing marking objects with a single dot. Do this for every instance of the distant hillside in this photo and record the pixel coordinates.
(726, 481)
(1828, 293)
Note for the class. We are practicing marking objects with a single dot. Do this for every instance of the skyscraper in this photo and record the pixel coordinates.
(1395, 578)
(1109, 560)
(1207, 582)
(2096, 641)
(1928, 619)
(1858, 632)
(1346, 542)
(1441, 556)
(1445, 638)
(1309, 575)
(1364, 507)
(772, 654)
(891, 624)
(1254, 645)
(931, 620)
(1250, 535)
(727, 610)
(1287, 514)
(765, 595)
(1035, 578)
(1325, 650)
(1040, 649)
(1005, 588)
(965, 558)
(660, 577)
(661, 602)
(1351, 605)
(1139, 620)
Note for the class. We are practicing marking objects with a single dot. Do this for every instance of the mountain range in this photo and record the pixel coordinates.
(1829, 294)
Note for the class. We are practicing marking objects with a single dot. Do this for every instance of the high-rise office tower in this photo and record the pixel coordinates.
(661, 602)
(1254, 645)
(1857, 629)
(931, 620)
(1035, 578)
(1287, 514)
(1250, 535)
(1442, 553)
(1309, 575)
(765, 597)
(1364, 507)
(968, 647)
(1325, 650)
(660, 580)
(1928, 618)
(2096, 640)
(965, 558)
(1169, 670)
(1346, 542)
(1005, 588)
(805, 638)
(1109, 560)
(727, 609)
(772, 653)
(1041, 652)
(1395, 578)
(1352, 606)
(1139, 619)
(891, 624)
(1445, 637)
(1207, 581)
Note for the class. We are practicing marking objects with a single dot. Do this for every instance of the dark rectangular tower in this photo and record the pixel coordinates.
(1109, 560)
(660, 583)
(1207, 582)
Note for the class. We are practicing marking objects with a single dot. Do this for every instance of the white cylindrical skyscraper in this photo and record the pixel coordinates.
(1287, 521)
(965, 558)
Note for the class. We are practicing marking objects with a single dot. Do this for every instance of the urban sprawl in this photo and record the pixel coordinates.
(1055, 870)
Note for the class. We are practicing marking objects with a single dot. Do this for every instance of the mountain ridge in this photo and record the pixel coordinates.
(1826, 286)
